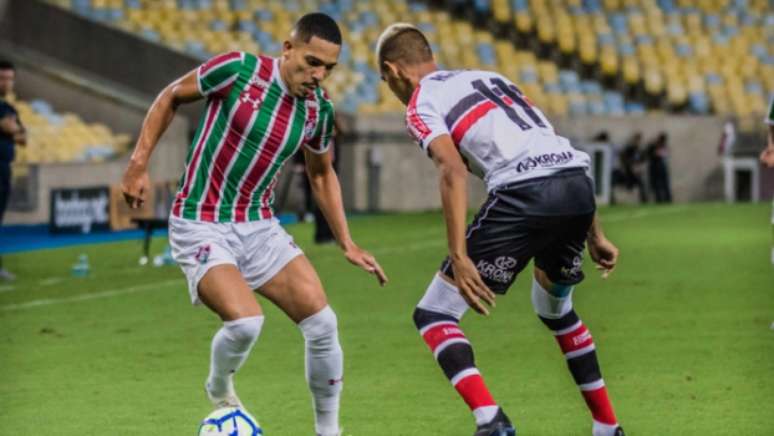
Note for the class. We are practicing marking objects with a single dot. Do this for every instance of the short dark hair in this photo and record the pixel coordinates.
(408, 45)
(319, 25)
(7, 65)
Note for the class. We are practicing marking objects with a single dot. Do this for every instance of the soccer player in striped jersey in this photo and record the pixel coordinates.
(222, 228)
(540, 206)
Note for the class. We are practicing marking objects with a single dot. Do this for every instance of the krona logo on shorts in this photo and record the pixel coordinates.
(547, 160)
(577, 264)
(499, 270)
(203, 254)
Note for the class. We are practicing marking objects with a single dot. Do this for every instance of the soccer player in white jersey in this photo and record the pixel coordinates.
(222, 229)
(540, 206)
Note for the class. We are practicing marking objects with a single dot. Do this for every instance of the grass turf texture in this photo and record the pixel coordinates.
(682, 330)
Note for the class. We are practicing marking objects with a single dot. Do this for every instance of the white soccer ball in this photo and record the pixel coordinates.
(230, 421)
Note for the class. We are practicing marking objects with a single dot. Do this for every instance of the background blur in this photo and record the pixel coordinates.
(88, 70)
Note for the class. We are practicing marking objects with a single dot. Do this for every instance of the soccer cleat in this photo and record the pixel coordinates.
(230, 399)
(500, 425)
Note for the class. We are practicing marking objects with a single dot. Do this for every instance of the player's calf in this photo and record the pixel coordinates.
(437, 318)
(324, 368)
(230, 347)
(554, 308)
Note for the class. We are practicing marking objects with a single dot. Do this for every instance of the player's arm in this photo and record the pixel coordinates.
(20, 137)
(603, 252)
(327, 192)
(767, 155)
(136, 181)
(453, 177)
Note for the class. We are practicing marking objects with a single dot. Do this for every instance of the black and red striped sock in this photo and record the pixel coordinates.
(578, 347)
(455, 356)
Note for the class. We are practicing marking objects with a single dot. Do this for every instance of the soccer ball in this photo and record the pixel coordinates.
(230, 421)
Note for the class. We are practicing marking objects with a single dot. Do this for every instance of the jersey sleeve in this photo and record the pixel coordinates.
(322, 138)
(423, 120)
(216, 76)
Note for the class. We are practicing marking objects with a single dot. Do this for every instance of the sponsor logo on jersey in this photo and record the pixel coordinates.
(252, 97)
(501, 270)
(203, 254)
(257, 81)
(254, 92)
(577, 265)
(547, 160)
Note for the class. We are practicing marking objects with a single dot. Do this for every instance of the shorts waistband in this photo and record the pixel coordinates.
(563, 173)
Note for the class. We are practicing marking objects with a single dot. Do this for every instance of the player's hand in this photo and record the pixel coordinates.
(471, 287)
(603, 253)
(135, 185)
(359, 257)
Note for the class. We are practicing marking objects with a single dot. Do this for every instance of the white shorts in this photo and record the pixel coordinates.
(259, 249)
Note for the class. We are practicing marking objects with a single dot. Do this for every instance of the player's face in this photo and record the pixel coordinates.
(7, 78)
(308, 63)
(397, 82)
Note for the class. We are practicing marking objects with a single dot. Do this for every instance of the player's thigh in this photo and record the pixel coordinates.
(296, 289)
(207, 254)
(499, 244)
(225, 292)
(561, 260)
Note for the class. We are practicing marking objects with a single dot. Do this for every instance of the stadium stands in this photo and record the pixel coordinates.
(64, 137)
(707, 56)
(204, 27)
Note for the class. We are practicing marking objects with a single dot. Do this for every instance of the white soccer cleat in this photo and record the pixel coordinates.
(230, 398)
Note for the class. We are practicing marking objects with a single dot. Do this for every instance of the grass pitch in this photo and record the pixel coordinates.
(681, 327)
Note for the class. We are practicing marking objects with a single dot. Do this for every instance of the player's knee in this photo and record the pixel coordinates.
(552, 303)
(442, 298)
(244, 330)
(321, 328)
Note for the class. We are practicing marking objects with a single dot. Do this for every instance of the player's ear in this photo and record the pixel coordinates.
(287, 46)
(392, 69)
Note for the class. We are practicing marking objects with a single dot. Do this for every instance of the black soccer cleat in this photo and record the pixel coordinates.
(619, 431)
(500, 425)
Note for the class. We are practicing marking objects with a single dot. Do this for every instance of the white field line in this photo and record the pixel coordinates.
(440, 242)
(386, 250)
(645, 213)
(90, 296)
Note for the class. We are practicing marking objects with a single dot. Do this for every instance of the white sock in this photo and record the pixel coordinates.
(230, 347)
(601, 429)
(485, 414)
(324, 368)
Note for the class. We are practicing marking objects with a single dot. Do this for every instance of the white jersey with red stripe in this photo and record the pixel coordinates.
(501, 135)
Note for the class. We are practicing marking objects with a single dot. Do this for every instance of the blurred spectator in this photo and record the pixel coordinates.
(632, 161)
(12, 132)
(767, 155)
(727, 139)
(658, 170)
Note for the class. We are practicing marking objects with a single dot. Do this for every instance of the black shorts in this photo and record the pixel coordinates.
(546, 218)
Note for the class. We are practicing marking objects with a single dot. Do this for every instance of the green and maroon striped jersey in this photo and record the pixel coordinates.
(250, 127)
